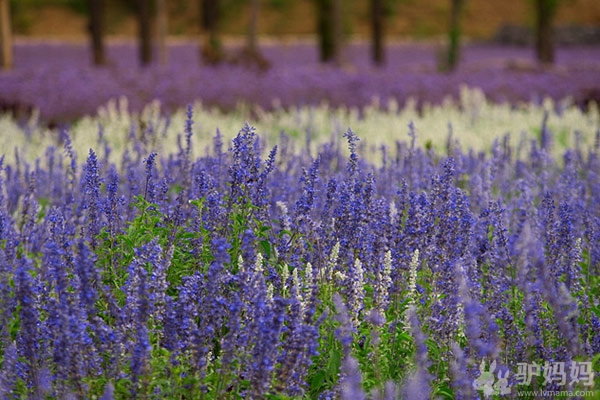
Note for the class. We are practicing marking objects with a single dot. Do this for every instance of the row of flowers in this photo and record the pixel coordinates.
(59, 80)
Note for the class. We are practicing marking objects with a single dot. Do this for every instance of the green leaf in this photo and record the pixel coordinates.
(266, 248)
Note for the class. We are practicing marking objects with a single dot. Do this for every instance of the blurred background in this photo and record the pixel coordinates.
(406, 19)
(68, 57)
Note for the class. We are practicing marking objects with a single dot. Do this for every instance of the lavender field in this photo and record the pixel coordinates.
(58, 78)
(339, 250)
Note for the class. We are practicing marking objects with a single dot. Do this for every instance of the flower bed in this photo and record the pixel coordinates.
(283, 272)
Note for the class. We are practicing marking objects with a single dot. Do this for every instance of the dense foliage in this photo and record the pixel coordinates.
(290, 273)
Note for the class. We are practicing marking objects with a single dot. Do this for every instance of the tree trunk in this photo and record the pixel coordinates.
(454, 35)
(212, 49)
(252, 24)
(162, 30)
(377, 20)
(250, 55)
(6, 55)
(325, 30)
(145, 31)
(338, 31)
(329, 27)
(544, 40)
(96, 28)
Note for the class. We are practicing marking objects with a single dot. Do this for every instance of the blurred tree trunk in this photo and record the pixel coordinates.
(212, 48)
(162, 30)
(6, 56)
(377, 21)
(252, 24)
(329, 27)
(338, 31)
(96, 28)
(250, 55)
(454, 35)
(544, 43)
(145, 31)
